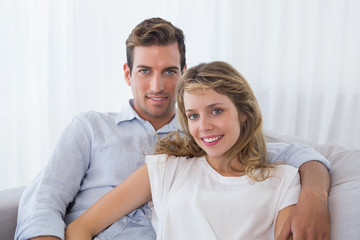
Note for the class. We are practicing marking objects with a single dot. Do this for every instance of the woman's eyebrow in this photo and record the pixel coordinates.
(209, 106)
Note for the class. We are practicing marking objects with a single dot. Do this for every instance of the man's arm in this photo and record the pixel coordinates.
(294, 154)
(45, 238)
(310, 218)
(43, 204)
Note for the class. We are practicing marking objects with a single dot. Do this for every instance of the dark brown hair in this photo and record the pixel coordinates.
(155, 31)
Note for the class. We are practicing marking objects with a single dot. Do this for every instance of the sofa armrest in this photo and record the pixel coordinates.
(345, 184)
(9, 201)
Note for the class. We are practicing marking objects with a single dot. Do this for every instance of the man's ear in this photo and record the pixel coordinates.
(127, 74)
(185, 67)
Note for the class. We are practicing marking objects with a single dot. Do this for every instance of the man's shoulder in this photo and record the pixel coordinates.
(90, 116)
(126, 113)
(97, 119)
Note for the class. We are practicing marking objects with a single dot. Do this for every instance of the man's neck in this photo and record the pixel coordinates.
(158, 123)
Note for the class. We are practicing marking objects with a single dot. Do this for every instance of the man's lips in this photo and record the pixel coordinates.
(157, 99)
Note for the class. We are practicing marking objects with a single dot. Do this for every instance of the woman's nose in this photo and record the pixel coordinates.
(205, 123)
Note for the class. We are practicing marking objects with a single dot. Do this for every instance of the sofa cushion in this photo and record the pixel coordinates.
(344, 193)
(9, 200)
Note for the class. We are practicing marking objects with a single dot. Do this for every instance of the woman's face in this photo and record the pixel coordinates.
(213, 122)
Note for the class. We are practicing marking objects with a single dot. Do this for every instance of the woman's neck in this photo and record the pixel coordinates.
(225, 168)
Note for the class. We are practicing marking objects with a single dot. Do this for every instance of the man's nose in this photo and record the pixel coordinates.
(157, 83)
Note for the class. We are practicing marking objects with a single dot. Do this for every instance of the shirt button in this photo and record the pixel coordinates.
(125, 220)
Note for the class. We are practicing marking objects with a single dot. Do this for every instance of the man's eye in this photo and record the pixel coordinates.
(192, 116)
(171, 72)
(217, 111)
(144, 71)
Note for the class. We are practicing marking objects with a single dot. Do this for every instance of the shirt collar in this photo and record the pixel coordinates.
(128, 114)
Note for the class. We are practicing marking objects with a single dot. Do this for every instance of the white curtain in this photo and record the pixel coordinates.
(59, 58)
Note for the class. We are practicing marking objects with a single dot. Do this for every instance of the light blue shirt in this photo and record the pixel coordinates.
(95, 153)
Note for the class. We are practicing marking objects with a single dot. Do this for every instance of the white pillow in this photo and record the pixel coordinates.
(344, 197)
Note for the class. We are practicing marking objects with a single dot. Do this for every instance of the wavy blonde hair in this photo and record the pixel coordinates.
(250, 148)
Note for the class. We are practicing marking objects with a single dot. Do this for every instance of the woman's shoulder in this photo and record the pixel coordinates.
(282, 177)
(166, 158)
(285, 167)
(284, 171)
(158, 158)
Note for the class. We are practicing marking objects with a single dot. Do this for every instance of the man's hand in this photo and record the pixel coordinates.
(310, 218)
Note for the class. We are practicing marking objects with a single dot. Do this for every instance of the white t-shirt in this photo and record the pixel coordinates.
(192, 201)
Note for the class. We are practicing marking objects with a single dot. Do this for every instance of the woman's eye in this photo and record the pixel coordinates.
(192, 116)
(217, 111)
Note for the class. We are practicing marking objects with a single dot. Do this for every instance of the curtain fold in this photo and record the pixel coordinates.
(59, 58)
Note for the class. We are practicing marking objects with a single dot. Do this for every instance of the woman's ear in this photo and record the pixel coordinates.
(242, 117)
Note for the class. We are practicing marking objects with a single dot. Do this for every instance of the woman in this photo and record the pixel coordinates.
(213, 181)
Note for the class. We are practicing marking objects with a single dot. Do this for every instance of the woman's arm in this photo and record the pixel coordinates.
(129, 195)
(281, 219)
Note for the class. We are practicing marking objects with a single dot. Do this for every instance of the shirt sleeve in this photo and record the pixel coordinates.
(43, 204)
(291, 187)
(294, 154)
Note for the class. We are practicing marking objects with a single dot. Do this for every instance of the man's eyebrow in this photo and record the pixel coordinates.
(167, 68)
(142, 66)
(172, 67)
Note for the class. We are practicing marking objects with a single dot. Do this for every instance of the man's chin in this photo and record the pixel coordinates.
(161, 113)
(158, 114)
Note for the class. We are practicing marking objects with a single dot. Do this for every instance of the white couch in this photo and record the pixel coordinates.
(9, 200)
(344, 198)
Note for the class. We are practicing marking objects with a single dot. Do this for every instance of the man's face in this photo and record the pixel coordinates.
(156, 70)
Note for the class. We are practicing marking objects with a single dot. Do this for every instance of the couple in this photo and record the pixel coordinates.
(99, 151)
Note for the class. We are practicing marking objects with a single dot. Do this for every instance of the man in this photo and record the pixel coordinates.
(97, 151)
